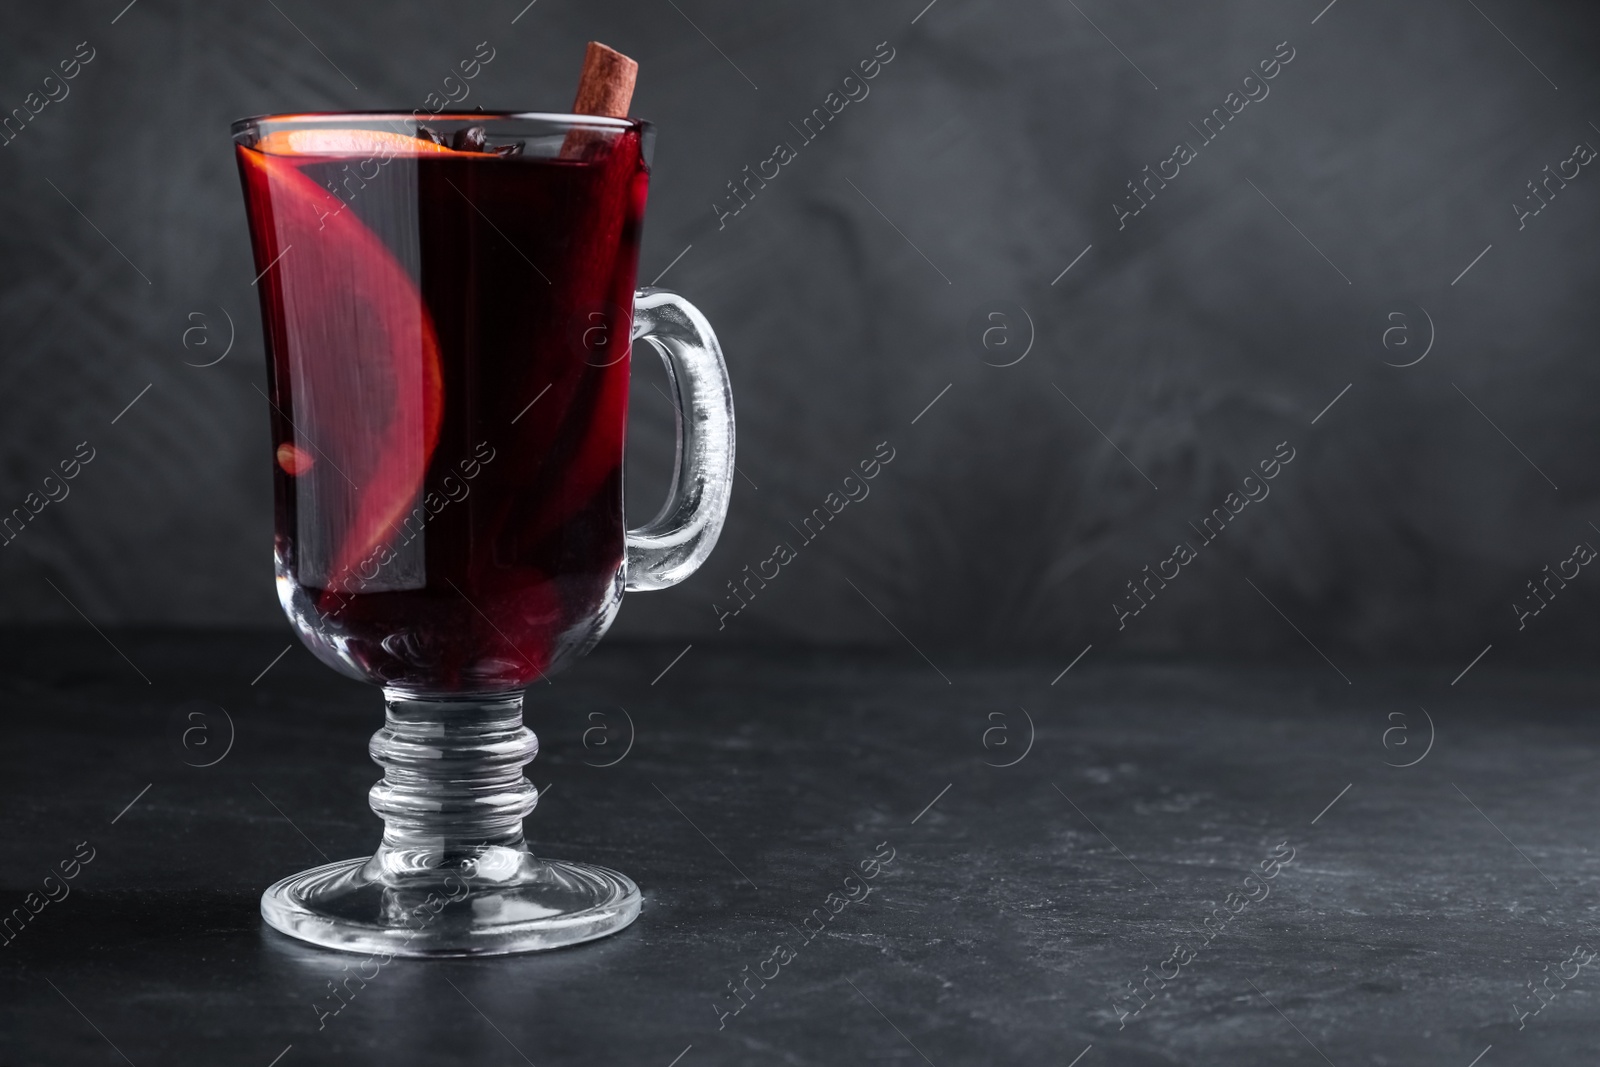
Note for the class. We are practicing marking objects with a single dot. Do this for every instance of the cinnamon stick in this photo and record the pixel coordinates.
(604, 88)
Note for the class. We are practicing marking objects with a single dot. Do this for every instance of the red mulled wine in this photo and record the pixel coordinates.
(447, 326)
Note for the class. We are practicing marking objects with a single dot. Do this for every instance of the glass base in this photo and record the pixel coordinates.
(528, 905)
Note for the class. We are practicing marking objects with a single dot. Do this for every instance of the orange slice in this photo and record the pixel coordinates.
(359, 368)
(293, 459)
(339, 142)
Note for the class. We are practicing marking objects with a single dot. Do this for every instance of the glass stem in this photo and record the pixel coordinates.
(453, 795)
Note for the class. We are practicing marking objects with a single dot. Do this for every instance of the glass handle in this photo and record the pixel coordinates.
(671, 546)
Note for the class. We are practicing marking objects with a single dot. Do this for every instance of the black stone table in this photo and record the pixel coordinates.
(1147, 831)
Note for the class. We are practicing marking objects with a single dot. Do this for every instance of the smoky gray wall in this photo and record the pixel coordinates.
(907, 256)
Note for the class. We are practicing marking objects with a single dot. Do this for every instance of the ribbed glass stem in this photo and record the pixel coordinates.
(453, 795)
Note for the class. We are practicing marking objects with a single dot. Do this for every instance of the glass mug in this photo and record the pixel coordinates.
(449, 307)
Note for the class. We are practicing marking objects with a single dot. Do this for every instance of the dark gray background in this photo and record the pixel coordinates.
(1198, 338)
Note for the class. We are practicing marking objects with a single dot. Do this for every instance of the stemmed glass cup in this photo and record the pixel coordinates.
(449, 307)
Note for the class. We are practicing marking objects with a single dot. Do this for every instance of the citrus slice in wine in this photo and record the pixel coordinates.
(363, 391)
(348, 142)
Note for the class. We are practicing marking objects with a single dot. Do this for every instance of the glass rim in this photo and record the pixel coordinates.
(422, 115)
